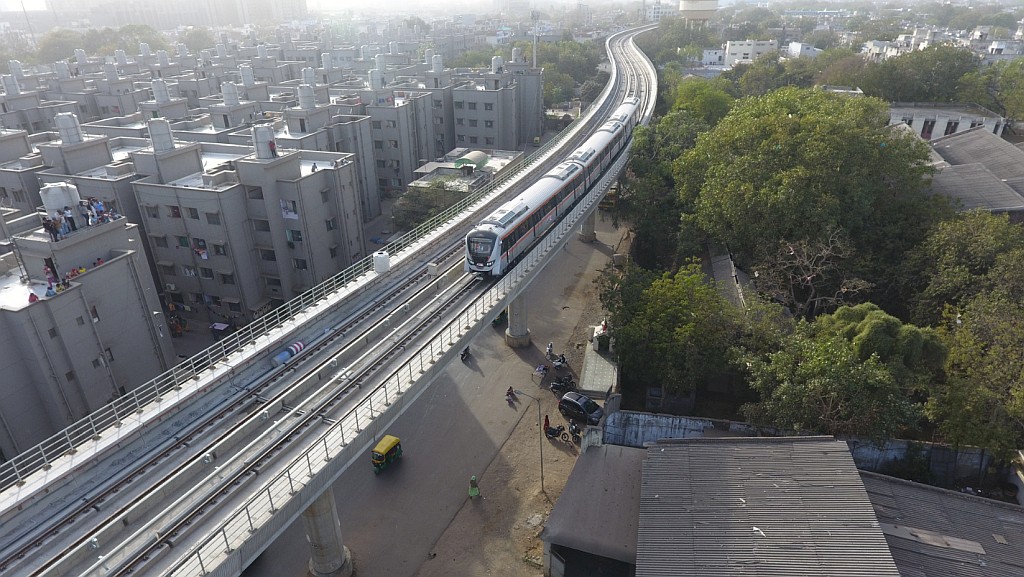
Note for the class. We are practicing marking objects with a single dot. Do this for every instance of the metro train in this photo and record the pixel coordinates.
(498, 241)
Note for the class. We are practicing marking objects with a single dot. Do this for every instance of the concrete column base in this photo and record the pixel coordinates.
(588, 232)
(517, 341)
(346, 569)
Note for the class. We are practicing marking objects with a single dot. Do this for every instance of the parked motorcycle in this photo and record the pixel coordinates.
(576, 431)
(562, 385)
(556, 433)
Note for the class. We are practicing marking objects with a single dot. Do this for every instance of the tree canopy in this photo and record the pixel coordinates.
(817, 381)
(798, 164)
(674, 330)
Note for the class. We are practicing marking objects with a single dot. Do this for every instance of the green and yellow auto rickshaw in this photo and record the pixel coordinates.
(387, 451)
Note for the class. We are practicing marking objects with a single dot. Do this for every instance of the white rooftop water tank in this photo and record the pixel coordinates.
(307, 100)
(230, 92)
(57, 195)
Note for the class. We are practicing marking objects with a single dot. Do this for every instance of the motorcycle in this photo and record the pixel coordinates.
(576, 431)
(562, 385)
(560, 363)
(556, 433)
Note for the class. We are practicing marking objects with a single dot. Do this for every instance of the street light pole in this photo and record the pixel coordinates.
(540, 427)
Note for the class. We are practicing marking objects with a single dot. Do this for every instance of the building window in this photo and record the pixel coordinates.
(220, 250)
(381, 164)
(396, 182)
(182, 241)
(488, 124)
(96, 363)
(212, 300)
(52, 332)
(472, 105)
(325, 195)
(153, 211)
(254, 192)
(193, 213)
(266, 254)
(460, 121)
(227, 278)
(80, 321)
(167, 270)
(390, 124)
(199, 244)
(472, 139)
(437, 104)
(489, 140)
(198, 298)
(461, 138)
(375, 124)
(261, 225)
(300, 263)
(334, 251)
(110, 355)
(331, 223)
(459, 104)
(438, 121)
(188, 270)
(95, 314)
(382, 182)
(174, 211)
(160, 241)
(213, 218)
(378, 144)
(234, 307)
(69, 376)
(488, 106)
(273, 281)
(206, 273)
(294, 235)
(393, 143)
(472, 122)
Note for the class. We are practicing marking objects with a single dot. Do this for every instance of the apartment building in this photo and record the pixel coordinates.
(19, 186)
(237, 231)
(68, 348)
(747, 50)
(29, 110)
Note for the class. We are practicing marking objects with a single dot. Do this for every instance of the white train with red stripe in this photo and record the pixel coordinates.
(499, 240)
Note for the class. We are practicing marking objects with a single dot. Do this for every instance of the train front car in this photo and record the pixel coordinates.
(483, 249)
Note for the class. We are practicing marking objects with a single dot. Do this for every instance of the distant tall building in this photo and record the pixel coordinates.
(698, 10)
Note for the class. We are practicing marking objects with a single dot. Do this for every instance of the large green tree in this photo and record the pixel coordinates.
(818, 382)
(648, 199)
(674, 331)
(915, 356)
(951, 265)
(982, 402)
(800, 164)
(999, 88)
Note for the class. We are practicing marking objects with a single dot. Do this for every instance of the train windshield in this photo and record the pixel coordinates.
(480, 243)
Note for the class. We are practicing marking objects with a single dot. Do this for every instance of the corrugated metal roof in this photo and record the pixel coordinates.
(976, 187)
(765, 507)
(978, 145)
(933, 532)
(598, 509)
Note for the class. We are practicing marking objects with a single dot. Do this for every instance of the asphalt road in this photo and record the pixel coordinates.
(391, 521)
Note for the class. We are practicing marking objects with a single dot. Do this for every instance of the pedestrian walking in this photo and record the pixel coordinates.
(474, 488)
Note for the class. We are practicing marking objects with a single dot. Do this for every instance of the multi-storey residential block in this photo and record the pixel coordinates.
(237, 230)
(80, 324)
